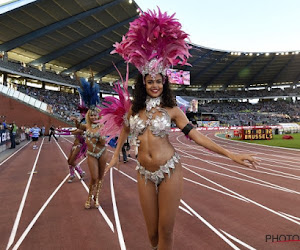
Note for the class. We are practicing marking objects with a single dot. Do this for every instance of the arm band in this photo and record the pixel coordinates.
(186, 130)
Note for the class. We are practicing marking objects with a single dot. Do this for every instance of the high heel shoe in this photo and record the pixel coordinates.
(80, 171)
(96, 198)
(72, 174)
(71, 178)
(87, 204)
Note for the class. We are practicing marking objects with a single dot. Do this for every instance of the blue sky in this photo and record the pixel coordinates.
(231, 25)
(237, 25)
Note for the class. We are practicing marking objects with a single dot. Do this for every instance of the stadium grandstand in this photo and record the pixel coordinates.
(46, 50)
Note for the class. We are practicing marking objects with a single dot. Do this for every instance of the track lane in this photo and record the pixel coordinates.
(232, 203)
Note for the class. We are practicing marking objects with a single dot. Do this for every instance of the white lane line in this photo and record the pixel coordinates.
(238, 241)
(284, 161)
(264, 160)
(251, 201)
(19, 242)
(131, 178)
(256, 179)
(116, 214)
(68, 141)
(281, 174)
(125, 174)
(217, 190)
(22, 204)
(13, 154)
(233, 147)
(241, 179)
(82, 160)
(257, 204)
(283, 164)
(291, 216)
(269, 185)
(104, 215)
(289, 176)
(210, 226)
(203, 151)
(185, 210)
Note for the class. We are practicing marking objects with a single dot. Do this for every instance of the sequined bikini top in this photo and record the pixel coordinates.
(159, 126)
(90, 136)
(94, 135)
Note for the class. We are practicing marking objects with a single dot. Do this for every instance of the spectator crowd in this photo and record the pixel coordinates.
(61, 104)
(64, 105)
(243, 113)
(242, 94)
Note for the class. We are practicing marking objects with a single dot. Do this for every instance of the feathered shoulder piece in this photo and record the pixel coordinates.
(114, 110)
(89, 92)
(154, 43)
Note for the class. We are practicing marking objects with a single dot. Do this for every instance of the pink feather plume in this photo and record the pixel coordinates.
(114, 109)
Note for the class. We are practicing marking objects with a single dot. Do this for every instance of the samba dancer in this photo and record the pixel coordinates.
(154, 43)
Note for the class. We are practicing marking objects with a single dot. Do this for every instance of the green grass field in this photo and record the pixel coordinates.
(278, 141)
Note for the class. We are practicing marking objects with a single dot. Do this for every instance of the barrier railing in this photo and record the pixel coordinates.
(24, 98)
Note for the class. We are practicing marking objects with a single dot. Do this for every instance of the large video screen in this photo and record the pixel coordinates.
(178, 76)
(187, 106)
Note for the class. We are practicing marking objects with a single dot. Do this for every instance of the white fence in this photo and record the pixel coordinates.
(24, 98)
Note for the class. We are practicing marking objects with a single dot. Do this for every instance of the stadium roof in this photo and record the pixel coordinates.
(75, 36)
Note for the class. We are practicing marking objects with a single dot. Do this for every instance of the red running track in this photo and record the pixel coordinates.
(224, 206)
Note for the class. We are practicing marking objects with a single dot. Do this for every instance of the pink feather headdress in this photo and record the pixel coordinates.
(154, 43)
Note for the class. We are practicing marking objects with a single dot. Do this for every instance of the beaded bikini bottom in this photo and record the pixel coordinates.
(158, 176)
(97, 155)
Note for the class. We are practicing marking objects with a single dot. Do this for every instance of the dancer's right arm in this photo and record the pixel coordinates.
(78, 124)
(77, 132)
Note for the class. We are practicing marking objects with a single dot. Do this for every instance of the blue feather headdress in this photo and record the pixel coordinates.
(89, 92)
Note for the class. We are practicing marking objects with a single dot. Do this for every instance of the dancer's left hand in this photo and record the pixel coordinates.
(114, 162)
(246, 160)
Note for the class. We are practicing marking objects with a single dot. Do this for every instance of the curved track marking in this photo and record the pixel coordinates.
(210, 226)
(244, 197)
(237, 240)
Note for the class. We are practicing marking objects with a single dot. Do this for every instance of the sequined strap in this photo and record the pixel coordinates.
(125, 119)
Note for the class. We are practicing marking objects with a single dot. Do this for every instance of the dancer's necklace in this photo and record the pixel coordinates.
(152, 102)
(95, 125)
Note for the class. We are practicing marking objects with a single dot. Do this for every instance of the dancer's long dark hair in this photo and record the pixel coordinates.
(140, 95)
